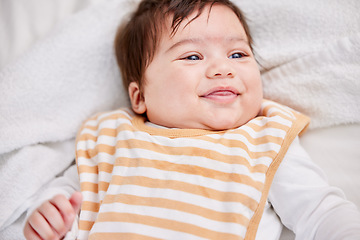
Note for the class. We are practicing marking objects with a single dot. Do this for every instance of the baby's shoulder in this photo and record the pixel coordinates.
(105, 122)
(102, 118)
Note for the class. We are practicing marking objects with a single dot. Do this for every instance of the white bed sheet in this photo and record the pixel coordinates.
(23, 22)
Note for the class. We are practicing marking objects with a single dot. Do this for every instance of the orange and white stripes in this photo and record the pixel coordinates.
(141, 182)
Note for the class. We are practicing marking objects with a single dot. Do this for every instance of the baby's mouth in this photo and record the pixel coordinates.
(222, 95)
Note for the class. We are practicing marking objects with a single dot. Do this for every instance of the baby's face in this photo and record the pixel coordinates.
(205, 76)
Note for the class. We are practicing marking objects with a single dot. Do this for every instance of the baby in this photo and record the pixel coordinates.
(201, 155)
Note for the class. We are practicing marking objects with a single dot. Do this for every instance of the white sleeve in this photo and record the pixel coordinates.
(66, 184)
(307, 205)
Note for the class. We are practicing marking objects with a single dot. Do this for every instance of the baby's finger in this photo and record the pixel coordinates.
(66, 210)
(41, 226)
(53, 217)
(75, 201)
(30, 233)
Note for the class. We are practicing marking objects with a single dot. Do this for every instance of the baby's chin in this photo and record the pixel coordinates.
(214, 125)
(222, 126)
(228, 123)
(211, 124)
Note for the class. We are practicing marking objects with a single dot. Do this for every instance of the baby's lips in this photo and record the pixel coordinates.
(221, 93)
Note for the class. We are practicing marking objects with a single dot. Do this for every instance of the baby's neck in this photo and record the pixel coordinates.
(150, 124)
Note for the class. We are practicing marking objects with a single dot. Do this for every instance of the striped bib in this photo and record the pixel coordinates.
(142, 182)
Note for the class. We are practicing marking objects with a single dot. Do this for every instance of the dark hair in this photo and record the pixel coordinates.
(137, 39)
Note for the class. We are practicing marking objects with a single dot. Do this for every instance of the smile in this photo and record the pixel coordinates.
(221, 95)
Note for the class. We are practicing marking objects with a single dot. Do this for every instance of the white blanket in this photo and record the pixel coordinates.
(46, 95)
(309, 52)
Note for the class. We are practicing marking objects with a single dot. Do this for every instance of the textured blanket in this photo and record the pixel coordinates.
(45, 96)
(309, 54)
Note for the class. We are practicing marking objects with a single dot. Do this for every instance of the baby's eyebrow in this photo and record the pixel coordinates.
(200, 41)
(184, 42)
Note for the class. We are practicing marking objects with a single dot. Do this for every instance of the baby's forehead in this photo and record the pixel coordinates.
(172, 24)
(171, 27)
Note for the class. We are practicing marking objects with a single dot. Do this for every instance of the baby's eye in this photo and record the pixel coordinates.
(238, 55)
(192, 57)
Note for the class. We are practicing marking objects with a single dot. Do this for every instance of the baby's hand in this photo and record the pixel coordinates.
(54, 218)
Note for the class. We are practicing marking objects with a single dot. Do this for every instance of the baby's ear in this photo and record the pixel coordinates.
(136, 98)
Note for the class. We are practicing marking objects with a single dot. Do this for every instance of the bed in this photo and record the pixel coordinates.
(57, 68)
